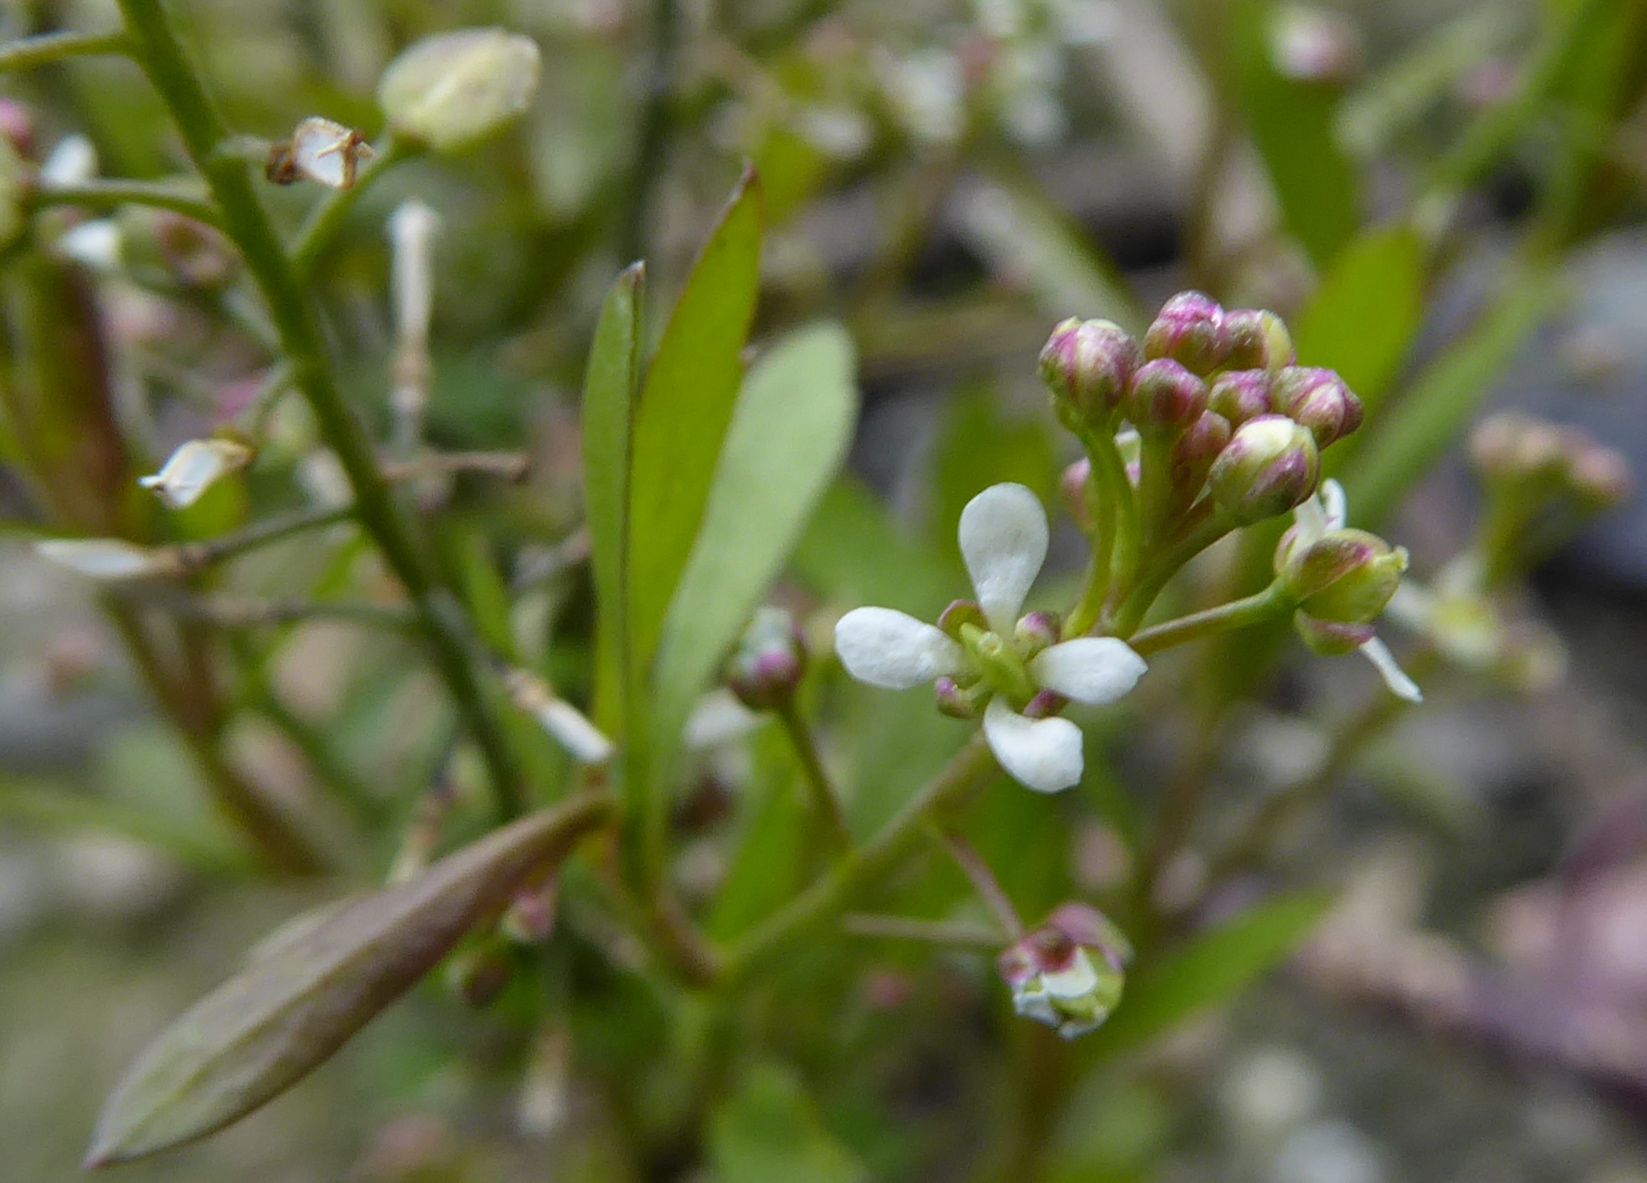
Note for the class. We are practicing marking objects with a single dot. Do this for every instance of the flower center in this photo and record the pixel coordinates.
(998, 664)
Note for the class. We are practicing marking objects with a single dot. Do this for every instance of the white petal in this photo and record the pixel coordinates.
(893, 650)
(1333, 505)
(717, 720)
(328, 153)
(1311, 518)
(1079, 980)
(193, 468)
(102, 558)
(581, 738)
(411, 230)
(1004, 542)
(1394, 676)
(1093, 670)
(1040, 754)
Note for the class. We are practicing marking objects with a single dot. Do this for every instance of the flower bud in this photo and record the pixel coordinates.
(1241, 395)
(17, 127)
(320, 150)
(1193, 455)
(1600, 477)
(769, 662)
(193, 468)
(1513, 448)
(1074, 486)
(1346, 576)
(1087, 364)
(1314, 46)
(953, 700)
(1035, 632)
(960, 613)
(1068, 973)
(1258, 340)
(1270, 465)
(1164, 398)
(1044, 705)
(453, 89)
(1328, 638)
(1189, 330)
(1319, 400)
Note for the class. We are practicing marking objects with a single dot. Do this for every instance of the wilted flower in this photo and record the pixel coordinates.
(1068, 973)
(1003, 535)
(321, 151)
(1317, 519)
(194, 467)
(107, 559)
(453, 89)
(569, 727)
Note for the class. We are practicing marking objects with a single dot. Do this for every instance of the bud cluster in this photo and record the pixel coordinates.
(1533, 456)
(1215, 397)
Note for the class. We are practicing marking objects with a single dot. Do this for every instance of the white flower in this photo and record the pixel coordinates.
(96, 244)
(327, 153)
(193, 468)
(1003, 534)
(1315, 518)
(453, 89)
(72, 162)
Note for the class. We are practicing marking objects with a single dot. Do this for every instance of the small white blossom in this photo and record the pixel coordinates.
(1315, 518)
(452, 89)
(1003, 536)
(72, 162)
(193, 468)
(96, 244)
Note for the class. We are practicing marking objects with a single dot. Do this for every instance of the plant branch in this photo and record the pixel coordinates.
(190, 201)
(825, 801)
(1268, 604)
(982, 878)
(933, 932)
(159, 51)
(44, 48)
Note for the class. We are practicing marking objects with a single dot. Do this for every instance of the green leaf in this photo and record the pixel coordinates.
(1364, 316)
(788, 439)
(609, 389)
(1292, 122)
(769, 1129)
(1212, 969)
(853, 553)
(685, 409)
(315, 985)
(1443, 400)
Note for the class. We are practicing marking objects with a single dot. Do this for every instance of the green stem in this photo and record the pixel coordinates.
(1167, 564)
(983, 880)
(189, 201)
(653, 136)
(244, 220)
(826, 802)
(28, 52)
(863, 867)
(1269, 604)
(331, 213)
(932, 932)
(1115, 543)
(197, 555)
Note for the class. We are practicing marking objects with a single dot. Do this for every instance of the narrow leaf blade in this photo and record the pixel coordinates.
(1212, 969)
(609, 396)
(685, 409)
(787, 441)
(316, 984)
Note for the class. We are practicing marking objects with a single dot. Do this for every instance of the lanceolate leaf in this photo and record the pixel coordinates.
(1212, 969)
(315, 984)
(609, 393)
(685, 407)
(787, 441)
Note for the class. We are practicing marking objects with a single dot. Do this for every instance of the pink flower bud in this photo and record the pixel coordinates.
(1069, 972)
(1346, 576)
(1087, 365)
(1036, 631)
(1189, 330)
(769, 662)
(1165, 398)
(1258, 340)
(1269, 466)
(1241, 395)
(954, 701)
(17, 126)
(1194, 453)
(1319, 400)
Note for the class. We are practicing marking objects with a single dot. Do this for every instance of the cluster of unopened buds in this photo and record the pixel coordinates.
(1205, 427)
